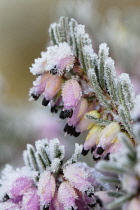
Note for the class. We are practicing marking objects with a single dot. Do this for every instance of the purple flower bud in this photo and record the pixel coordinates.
(52, 87)
(67, 196)
(133, 204)
(31, 200)
(20, 186)
(78, 178)
(71, 94)
(46, 187)
(79, 112)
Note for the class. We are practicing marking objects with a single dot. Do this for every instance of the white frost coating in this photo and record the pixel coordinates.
(88, 50)
(60, 56)
(109, 63)
(75, 156)
(38, 67)
(80, 34)
(105, 49)
(41, 143)
(136, 111)
(129, 92)
(55, 165)
(9, 176)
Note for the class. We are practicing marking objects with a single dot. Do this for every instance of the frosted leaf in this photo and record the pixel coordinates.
(38, 67)
(55, 165)
(75, 156)
(104, 50)
(41, 143)
(128, 90)
(136, 110)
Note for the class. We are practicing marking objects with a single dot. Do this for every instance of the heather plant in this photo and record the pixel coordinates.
(83, 88)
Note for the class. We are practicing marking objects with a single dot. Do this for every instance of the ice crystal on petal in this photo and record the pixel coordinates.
(60, 56)
(40, 63)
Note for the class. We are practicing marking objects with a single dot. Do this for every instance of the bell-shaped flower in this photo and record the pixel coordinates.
(133, 204)
(109, 135)
(67, 196)
(20, 186)
(85, 123)
(71, 94)
(52, 87)
(46, 188)
(93, 137)
(78, 113)
(31, 200)
(39, 86)
(78, 178)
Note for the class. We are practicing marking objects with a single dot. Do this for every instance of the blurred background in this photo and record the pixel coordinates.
(24, 34)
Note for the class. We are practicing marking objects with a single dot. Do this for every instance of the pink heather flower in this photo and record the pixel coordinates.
(39, 66)
(20, 186)
(59, 58)
(48, 85)
(67, 196)
(93, 137)
(78, 113)
(39, 85)
(104, 197)
(52, 87)
(46, 188)
(71, 94)
(31, 200)
(133, 204)
(78, 178)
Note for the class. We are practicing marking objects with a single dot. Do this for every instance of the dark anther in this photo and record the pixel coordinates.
(99, 202)
(94, 158)
(68, 113)
(66, 127)
(54, 109)
(72, 208)
(76, 134)
(100, 150)
(92, 205)
(53, 71)
(45, 102)
(107, 156)
(69, 130)
(90, 195)
(93, 148)
(84, 152)
(35, 97)
(46, 207)
(62, 115)
(6, 197)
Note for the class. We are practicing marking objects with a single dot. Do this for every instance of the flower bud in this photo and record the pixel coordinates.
(78, 178)
(93, 137)
(20, 186)
(46, 187)
(39, 85)
(52, 87)
(78, 113)
(134, 204)
(71, 94)
(109, 135)
(67, 196)
(31, 200)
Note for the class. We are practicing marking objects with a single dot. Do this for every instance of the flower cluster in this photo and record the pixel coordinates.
(126, 166)
(84, 86)
(46, 183)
